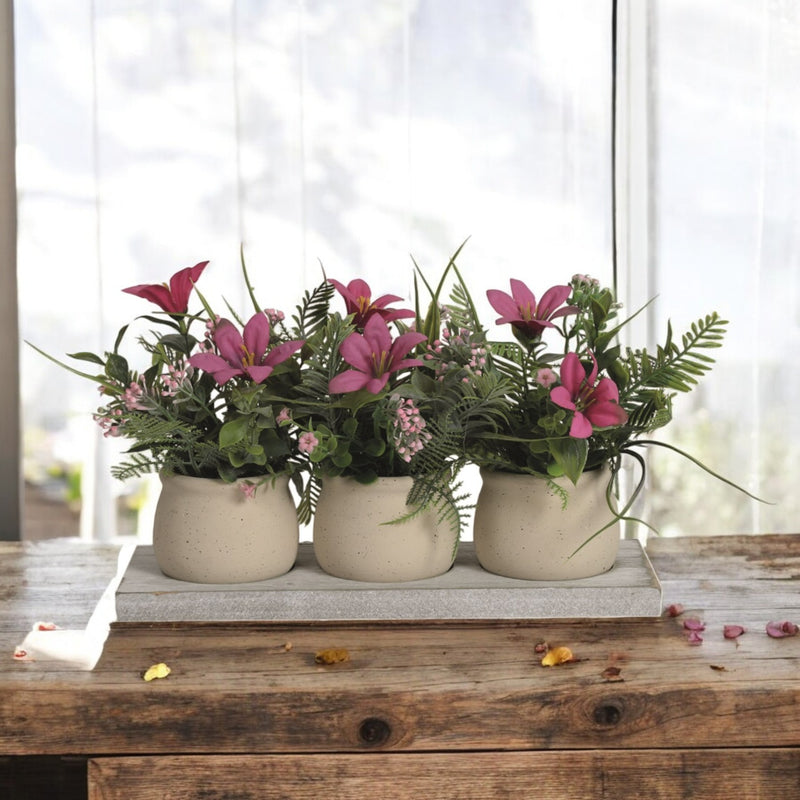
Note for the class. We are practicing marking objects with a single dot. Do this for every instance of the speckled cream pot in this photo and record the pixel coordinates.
(209, 531)
(351, 541)
(522, 531)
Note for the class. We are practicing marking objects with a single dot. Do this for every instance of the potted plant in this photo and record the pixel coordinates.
(199, 408)
(564, 403)
(381, 512)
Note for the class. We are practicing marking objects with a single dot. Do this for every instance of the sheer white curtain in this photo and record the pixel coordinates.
(724, 170)
(153, 135)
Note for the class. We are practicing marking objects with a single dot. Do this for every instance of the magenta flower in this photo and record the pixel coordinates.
(358, 301)
(523, 313)
(593, 403)
(244, 355)
(173, 298)
(375, 357)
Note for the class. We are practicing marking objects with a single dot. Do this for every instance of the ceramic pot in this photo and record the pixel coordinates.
(352, 541)
(210, 531)
(523, 530)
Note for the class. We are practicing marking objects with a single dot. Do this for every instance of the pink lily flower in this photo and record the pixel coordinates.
(593, 403)
(358, 301)
(244, 355)
(375, 357)
(173, 298)
(523, 313)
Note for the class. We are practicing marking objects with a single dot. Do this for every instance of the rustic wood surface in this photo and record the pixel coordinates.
(256, 688)
(588, 775)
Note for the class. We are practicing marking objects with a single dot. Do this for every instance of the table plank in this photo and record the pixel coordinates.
(656, 775)
(456, 686)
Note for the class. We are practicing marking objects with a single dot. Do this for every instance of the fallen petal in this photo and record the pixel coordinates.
(541, 647)
(718, 668)
(46, 626)
(692, 624)
(694, 638)
(778, 630)
(733, 631)
(558, 655)
(156, 671)
(674, 610)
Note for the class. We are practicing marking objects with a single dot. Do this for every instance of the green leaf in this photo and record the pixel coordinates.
(91, 357)
(341, 458)
(374, 447)
(233, 432)
(183, 344)
(118, 340)
(117, 368)
(570, 454)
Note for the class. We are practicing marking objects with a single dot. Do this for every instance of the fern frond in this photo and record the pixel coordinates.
(312, 313)
(309, 499)
(672, 367)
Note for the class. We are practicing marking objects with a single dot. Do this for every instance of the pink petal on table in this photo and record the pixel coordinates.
(778, 630)
(733, 631)
(675, 610)
(692, 624)
(694, 638)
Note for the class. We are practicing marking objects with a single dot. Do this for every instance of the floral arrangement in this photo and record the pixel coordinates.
(361, 405)
(203, 405)
(563, 397)
(372, 390)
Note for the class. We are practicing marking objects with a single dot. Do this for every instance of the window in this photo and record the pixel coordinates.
(355, 132)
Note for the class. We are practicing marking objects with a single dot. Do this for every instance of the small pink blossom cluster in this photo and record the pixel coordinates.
(409, 432)
(174, 378)
(274, 316)
(587, 280)
(207, 345)
(111, 421)
(134, 397)
(445, 349)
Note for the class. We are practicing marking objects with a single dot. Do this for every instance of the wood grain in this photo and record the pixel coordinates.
(590, 775)
(256, 688)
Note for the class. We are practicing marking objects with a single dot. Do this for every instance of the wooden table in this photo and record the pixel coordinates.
(420, 710)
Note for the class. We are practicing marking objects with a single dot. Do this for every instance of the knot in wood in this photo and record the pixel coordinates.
(374, 732)
(608, 713)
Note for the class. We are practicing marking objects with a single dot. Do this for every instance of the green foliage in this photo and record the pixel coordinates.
(648, 381)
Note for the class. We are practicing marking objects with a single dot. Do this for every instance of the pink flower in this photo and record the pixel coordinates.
(133, 398)
(248, 489)
(173, 298)
(409, 432)
(358, 301)
(244, 355)
(375, 357)
(521, 310)
(284, 416)
(546, 377)
(307, 443)
(593, 403)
